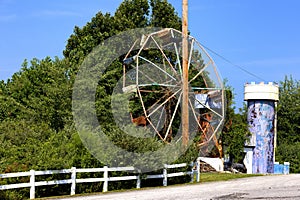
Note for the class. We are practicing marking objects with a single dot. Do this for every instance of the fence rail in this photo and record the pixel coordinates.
(105, 179)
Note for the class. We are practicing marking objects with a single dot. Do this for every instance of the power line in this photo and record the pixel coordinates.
(238, 66)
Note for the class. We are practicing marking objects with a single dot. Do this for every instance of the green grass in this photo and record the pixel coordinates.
(204, 177)
(209, 177)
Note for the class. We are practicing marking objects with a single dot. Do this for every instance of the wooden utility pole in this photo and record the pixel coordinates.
(185, 73)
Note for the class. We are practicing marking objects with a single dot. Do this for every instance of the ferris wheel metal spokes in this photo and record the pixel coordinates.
(154, 75)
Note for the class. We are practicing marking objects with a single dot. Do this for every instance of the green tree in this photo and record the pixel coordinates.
(289, 111)
(132, 14)
(40, 92)
(235, 131)
(164, 15)
(288, 115)
(36, 125)
(83, 40)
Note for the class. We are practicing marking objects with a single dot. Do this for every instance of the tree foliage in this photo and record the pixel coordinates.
(235, 130)
(36, 124)
(164, 15)
(130, 14)
(288, 114)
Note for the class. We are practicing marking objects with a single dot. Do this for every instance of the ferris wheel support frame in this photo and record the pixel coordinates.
(185, 77)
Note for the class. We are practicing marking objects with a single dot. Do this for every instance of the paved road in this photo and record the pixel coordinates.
(262, 187)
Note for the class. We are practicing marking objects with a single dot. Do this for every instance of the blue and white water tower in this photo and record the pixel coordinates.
(261, 104)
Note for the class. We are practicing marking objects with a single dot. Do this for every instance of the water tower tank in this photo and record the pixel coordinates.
(261, 104)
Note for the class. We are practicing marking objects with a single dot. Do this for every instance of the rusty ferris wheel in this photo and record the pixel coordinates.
(153, 79)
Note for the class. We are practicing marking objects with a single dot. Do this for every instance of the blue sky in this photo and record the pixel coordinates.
(261, 36)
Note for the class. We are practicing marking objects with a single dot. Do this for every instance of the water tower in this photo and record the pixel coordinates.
(261, 104)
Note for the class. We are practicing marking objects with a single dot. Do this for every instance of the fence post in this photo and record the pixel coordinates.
(192, 165)
(32, 184)
(165, 174)
(198, 171)
(138, 181)
(73, 180)
(105, 176)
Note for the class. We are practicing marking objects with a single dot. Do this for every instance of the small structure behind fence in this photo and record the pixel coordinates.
(105, 179)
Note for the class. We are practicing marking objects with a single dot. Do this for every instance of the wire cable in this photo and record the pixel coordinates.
(238, 66)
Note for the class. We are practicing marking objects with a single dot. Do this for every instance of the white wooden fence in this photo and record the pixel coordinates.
(105, 179)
